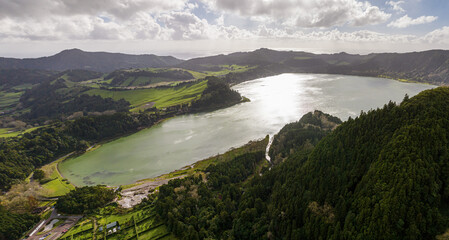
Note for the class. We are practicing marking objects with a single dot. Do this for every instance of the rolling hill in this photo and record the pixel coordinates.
(428, 66)
(94, 61)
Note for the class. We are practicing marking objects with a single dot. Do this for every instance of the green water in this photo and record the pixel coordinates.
(275, 101)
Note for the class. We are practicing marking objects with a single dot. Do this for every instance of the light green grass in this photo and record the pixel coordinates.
(23, 86)
(197, 75)
(163, 97)
(228, 69)
(157, 232)
(56, 187)
(5, 132)
(79, 227)
(302, 58)
(8, 99)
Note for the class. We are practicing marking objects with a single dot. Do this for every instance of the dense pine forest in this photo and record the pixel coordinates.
(382, 175)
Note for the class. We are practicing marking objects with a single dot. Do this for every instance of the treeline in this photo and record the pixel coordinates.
(97, 128)
(12, 225)
(85, 199)
(197, 208)
(217, 95)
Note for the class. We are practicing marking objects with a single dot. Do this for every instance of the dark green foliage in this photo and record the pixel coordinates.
(38, 174)
(19, 156)
(12, 225)
(107, 126)
(217, 95)
(14, 77)
(85, 199)
(197, 209)
(50, 100)
(305, 133)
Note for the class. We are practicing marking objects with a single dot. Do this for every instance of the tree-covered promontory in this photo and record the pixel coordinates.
(217, 95)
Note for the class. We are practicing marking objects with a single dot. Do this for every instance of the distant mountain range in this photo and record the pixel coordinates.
(428, 66)
(94, 61)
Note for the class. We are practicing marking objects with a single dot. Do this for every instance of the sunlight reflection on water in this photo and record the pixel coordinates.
(275, 101)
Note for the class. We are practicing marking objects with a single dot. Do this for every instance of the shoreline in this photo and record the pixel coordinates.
(145, 180)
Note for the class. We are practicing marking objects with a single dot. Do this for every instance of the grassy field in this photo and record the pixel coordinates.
(58, 186)
(162, 97)
(5, 132)
(8, 99)
(225, 69)
(141, 223)
(80, 227)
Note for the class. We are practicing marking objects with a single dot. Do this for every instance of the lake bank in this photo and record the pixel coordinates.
(275, 101)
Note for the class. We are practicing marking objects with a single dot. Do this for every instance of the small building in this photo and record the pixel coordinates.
(113, 226)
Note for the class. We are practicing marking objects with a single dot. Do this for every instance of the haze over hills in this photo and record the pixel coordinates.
(94, 61)
(428, 66)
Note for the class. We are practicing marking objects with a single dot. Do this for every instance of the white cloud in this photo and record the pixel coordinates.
(42, 9)
(304, 13)
(396, 5)
(187, 26)
(406, 21)
(438, 36)
(128, 20)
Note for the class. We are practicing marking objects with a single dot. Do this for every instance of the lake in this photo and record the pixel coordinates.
(275, 101)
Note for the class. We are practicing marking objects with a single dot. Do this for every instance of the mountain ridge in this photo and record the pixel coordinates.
(94, 61)
(431, 66)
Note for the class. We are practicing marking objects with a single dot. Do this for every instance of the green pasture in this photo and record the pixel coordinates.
(162, 97)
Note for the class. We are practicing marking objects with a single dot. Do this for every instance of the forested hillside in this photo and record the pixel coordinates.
(217, 95)
(301, 135)
(13, 225)
(383, 175)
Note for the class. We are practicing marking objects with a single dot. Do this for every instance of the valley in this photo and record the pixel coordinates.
(183, 140)
(151, 141)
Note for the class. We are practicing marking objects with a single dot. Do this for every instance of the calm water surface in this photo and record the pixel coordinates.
(275, 101)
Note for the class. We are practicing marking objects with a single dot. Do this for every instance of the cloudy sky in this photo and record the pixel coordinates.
(190, 28)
